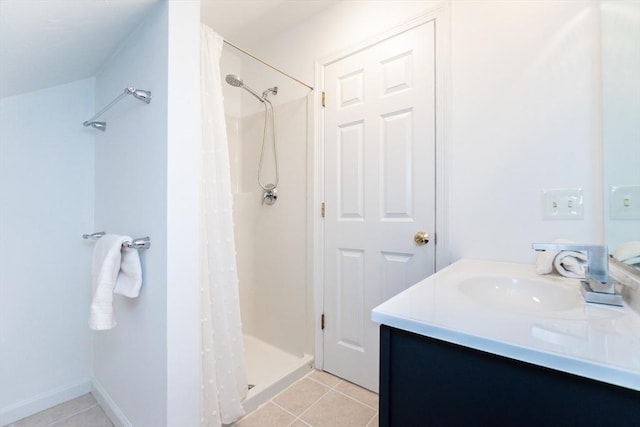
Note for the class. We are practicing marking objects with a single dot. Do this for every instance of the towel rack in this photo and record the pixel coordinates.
(142, 95)
(140, 243)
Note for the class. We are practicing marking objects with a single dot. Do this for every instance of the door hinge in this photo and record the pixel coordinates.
(322, 210)
(322, 321)
(324, 99)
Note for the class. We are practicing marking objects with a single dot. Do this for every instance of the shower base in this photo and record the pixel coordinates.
(270, 370)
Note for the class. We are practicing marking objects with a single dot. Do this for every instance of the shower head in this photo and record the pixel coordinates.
(96, 125)
(235, 81)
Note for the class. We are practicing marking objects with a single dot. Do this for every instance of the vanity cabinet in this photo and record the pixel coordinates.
(430, 382)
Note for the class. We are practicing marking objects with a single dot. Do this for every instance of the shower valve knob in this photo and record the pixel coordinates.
(270, 195)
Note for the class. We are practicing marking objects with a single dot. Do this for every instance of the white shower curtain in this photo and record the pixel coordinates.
(224, 376)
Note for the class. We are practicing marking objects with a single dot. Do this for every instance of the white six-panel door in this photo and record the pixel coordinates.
(379, 130)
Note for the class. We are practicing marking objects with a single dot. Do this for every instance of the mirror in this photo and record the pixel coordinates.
(620, 32)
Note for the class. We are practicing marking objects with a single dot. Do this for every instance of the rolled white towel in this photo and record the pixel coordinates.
(571, 264)
(544, 261)
(566, 263)
(113, 266)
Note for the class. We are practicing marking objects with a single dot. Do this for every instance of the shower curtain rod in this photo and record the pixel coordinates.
(266, 63)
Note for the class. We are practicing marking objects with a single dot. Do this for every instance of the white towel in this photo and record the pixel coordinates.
(627, 251)
(566, 263)
(129, 279)
(571, 264)
(113, 267)
(544, 261)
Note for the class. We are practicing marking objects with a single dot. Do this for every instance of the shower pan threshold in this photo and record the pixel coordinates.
(270, 370)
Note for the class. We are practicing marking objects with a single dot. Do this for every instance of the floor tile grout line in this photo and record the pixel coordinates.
(355, 399)
(272, 400)
(313, 404)
(345, 394)
(371, 420)
(326, 385)
(287, 411)
(300, 420)
(298, 381)
(255, 411)
(340, 381)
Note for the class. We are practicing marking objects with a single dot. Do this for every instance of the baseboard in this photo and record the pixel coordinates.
(109, 407)
(44, 401)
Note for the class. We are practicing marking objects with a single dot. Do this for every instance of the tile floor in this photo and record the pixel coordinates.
(317, 400)
(83, 411)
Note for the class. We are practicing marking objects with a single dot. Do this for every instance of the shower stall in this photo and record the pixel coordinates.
(266, 116)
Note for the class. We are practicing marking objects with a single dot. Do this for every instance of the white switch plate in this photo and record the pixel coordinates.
(624, 202)
(562, 203)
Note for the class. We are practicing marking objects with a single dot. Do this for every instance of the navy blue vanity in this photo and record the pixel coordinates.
(486, 343)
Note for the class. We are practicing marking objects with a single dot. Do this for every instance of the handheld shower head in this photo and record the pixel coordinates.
(235, 81)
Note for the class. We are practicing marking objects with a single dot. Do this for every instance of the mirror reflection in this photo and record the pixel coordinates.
(620, 26)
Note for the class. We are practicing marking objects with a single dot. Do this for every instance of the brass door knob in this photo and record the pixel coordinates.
(421, 238)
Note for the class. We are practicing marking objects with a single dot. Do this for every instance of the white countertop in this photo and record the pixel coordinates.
(591, 340)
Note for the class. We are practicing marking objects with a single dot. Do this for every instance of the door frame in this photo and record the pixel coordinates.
(440, 15)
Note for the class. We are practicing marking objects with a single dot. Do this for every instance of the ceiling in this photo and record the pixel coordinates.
(47, 43)
(246, 22)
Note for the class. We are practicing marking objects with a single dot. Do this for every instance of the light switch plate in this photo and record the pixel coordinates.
(624, 202)
(562, 203)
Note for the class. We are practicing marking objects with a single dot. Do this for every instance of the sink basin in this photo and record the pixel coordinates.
(521, 294)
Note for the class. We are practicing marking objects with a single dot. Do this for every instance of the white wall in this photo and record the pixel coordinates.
(46, 204)
(523, 110)
(270, 239)
(524, 118)
(130, 361)
(146, 370)
(183, 191)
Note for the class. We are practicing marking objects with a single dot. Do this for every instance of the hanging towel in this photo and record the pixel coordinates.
(129, 279)
(566, 263)
(113, 267)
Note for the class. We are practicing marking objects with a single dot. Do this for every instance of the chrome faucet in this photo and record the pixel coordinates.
(597, 287)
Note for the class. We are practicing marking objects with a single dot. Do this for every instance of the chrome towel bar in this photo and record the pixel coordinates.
(142, 95)
(140, 243)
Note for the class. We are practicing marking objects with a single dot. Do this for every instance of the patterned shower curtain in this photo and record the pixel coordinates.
(224, 376)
